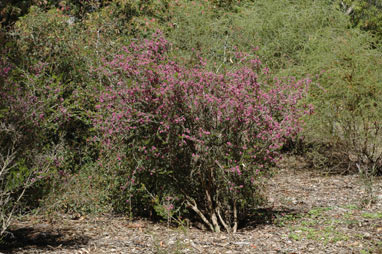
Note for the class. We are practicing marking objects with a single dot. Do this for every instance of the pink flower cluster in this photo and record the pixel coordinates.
(5, 68)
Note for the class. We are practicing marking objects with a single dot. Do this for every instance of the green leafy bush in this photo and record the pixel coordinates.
(279, 28)
(25, 160)
(51, 77)
(136, 18)
(347, 99)
(367, 15)
(11, 10)
(57, 60)
(49, 38)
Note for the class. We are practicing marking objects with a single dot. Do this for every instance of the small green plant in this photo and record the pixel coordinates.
(367, 178)
(165, 207)
(372, 215)
(351, 207)
(327, 234)
(295, 237)
(318, 212)
(315, 226)
(79, 193)
(284, 219)
(173, 246)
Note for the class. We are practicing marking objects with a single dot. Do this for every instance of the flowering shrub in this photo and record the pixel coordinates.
(27, 153)
(20, 162)
(205, 136)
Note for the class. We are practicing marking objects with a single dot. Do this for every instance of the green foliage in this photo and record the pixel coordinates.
(48, 38)
(372, 215)
(347, 97)
(24, 160)
(85, 192)
(364, 14)
(279, 28)
(226, 4)
(47, 99)
(58, 69)
(134, 18)
(56, 62)
(200, 28)
(282, 29)
(11, 10)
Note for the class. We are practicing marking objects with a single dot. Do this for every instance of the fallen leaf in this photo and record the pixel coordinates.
(135, 225)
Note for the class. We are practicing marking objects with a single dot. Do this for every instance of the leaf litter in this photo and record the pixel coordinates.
(307, 212)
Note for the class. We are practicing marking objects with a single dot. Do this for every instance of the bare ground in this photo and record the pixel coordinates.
(307, 213)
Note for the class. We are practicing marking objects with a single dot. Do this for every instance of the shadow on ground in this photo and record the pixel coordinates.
(266, 216)
(40, 238)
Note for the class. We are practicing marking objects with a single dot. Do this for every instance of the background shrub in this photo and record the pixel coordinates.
(347, 99)
(364, 14)
(24, 162)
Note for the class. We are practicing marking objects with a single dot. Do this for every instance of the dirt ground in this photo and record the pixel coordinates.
(307, 213)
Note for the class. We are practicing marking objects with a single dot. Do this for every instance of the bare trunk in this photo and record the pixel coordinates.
(195, 208)
(225, 225)
(214, 220)
(213, 216)
(234, 217)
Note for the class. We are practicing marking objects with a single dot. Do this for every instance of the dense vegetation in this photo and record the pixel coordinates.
(180, 109)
